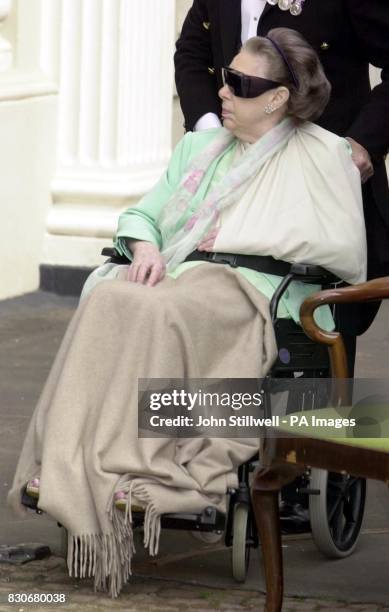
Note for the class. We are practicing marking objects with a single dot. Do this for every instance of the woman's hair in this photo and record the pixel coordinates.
(291, 59)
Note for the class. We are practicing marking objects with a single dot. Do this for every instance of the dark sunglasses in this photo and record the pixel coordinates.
(244, 86)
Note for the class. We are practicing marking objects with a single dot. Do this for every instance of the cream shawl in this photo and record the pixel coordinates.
(303, 205)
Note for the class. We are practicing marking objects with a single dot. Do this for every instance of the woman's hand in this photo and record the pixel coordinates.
(208, 241)
(148, 266)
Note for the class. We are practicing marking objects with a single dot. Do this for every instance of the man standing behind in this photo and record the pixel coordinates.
(347, 35)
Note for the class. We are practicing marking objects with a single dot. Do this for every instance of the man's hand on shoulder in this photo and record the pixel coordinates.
(361, 159)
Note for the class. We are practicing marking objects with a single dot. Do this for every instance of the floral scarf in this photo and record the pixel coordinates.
(179, 241)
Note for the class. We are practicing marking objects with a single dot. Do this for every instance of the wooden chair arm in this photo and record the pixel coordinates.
(377, 289)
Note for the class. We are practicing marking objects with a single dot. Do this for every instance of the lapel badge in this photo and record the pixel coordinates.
(206, 25)
(295, 7)
(324, 46)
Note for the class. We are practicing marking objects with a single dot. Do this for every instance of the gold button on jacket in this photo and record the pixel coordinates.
(324, 46)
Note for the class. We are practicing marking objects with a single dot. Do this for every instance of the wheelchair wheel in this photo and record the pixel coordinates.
(64, 543)
(336, 513)
(240, 548)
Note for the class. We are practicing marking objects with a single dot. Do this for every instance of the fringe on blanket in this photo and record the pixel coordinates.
(137, 494)
(107, 557)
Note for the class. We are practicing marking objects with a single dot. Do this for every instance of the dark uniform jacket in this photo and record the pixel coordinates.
(347, 35)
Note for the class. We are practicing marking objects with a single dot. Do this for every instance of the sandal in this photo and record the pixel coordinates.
(32, 487)
(121, 502)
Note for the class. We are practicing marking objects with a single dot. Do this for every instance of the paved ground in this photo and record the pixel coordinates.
(147, 595)
(186, 573)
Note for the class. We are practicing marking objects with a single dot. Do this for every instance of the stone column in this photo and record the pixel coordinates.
(114, 63)
(28, 119)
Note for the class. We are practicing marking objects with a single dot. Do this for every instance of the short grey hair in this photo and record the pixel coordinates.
(307, 101)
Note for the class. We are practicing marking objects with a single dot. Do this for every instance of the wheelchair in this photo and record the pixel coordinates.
(335, 502)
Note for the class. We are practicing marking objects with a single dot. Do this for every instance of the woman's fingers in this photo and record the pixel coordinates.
(142, 272)
(148, 266)
(138, 272)
(206, 246)
(208, 241)
(146, 272)
(212, 234)
(131, 273)
(157, 273)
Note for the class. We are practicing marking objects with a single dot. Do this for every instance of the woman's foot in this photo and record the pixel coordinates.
(30, 495)
(120, 498)
(32, 487)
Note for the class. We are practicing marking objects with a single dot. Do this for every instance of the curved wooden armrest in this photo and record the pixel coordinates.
(377, 289)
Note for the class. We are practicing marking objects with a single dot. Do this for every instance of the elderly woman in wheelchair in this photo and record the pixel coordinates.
(268, 189)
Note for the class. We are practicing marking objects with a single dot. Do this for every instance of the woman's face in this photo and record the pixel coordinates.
(246, 117)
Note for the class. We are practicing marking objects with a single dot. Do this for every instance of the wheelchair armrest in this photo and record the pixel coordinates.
(308, 273)
(110, 252)
(114, 256)
(374, 290)
(371, 291)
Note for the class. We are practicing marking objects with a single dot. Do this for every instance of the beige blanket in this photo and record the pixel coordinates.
(83, 439)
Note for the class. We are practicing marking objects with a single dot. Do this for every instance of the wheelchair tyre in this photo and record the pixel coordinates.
(240, 548)
(336, 513)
